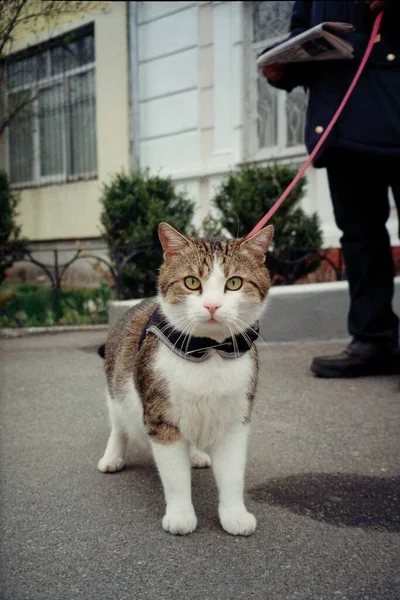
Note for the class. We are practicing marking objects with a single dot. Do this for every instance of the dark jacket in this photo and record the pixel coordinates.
(371, 120)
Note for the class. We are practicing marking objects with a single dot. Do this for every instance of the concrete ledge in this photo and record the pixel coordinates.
(306, 312)
(11, 332)
(117, 308)
(298, 312)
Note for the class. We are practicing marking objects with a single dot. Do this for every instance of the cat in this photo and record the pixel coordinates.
(182, 371)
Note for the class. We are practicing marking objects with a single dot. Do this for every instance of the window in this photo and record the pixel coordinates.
(278, 118)
(52, 138)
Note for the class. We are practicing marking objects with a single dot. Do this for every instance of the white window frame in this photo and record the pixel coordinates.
(34, 88)
(280, 151)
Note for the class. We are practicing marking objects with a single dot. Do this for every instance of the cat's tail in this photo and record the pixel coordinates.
(101, 351)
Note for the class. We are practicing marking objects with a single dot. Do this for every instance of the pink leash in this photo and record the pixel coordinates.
(327, 131)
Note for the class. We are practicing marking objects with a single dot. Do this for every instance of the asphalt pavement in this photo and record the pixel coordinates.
(323, 480)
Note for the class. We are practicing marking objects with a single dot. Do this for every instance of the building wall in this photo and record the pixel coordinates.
(192, 93)
(193, 65)
(72, 210)
(168, 90)
(193, 97)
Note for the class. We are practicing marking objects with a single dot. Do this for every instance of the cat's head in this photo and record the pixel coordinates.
(213, 288)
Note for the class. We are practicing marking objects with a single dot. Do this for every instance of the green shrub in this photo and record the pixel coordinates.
(246, 195)
(11, 245)
(133, 207)
(32, 306)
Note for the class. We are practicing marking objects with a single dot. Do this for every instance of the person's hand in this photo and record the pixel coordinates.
(377, 5)
(273, 72)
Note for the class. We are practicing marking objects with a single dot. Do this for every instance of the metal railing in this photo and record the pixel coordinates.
(287, 267)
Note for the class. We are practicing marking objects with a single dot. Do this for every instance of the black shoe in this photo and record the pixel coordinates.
(360, 359)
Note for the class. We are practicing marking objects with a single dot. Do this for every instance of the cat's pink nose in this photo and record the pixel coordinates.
(212, 308)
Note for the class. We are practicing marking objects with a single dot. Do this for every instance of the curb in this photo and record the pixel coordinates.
(313, 311)
(10, 332)
(316, 311)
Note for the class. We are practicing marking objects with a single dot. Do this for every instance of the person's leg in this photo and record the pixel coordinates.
(359, 191)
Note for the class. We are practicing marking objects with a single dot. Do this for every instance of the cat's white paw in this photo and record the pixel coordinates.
(180, 522)
(237, 521)
(199, 459)
(110, 465)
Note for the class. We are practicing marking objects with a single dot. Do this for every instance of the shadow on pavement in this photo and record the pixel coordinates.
(90, 349)
(342, 499)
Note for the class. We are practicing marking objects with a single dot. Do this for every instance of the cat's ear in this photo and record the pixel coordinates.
(171, 240)
(260, 242)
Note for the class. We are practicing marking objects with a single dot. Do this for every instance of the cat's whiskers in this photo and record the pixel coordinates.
(243, 333)
(189, 336)
(234, 342)
(237, 345)
(240, 323)
(187, 328)
(238, 327)
(183, 332)
(246, 338)
(176, 322)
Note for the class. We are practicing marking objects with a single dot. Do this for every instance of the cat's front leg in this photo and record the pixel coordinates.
(173, 463)
(113, 458)
(228, 461)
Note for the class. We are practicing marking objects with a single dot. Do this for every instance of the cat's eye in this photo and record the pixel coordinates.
(234, 283)
(192, 283)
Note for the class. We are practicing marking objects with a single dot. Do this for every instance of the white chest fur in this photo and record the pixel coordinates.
(207, 397)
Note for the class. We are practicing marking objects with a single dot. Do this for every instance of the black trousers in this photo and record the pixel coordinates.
(359, 185)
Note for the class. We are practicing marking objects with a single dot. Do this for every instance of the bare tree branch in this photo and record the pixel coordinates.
(15, 8)
(15, 14)
(6, 120)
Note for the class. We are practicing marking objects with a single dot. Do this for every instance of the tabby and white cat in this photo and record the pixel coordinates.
(182, 371)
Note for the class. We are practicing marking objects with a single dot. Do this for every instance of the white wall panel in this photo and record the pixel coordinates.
(171, 153)
(222, 78)
(170, 34)
(169, 115)
(192, 189)
(154, 10)
(237, 22)
(168, 74)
